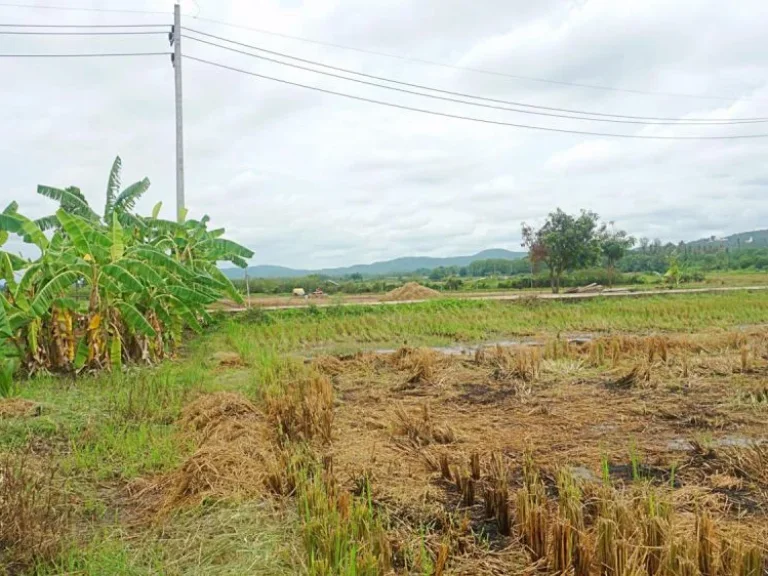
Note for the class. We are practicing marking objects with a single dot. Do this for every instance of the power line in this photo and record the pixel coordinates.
(83, 9)
(86, 55)
(481, 120)
(668, 122)
(14, 25)
(464, 95)
(467, 68)
(384, 54)
(110, 33)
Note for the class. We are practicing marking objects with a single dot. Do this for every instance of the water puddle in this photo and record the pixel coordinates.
(732, 441)
(584, 474)
(470, 349)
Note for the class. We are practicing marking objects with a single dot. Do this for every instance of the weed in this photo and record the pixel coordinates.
(605, 469)
(341, 534)
(8, 386)
(672, 473)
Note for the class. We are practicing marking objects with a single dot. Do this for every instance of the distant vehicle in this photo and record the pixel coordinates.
(299, 292)
(318, 293)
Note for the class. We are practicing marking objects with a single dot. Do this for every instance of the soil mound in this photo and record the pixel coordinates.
(410, 291)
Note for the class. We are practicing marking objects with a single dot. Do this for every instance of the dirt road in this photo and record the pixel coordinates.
(372, 299)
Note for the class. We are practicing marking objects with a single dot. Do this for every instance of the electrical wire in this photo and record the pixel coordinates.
(86, 55)
(83, 9)
(467, 68)
(14, 25)
(460, 117)
(385, 54)
(110, 33)
(464, 95)
(667, 122)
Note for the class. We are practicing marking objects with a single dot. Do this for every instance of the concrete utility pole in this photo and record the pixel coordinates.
(180, 207)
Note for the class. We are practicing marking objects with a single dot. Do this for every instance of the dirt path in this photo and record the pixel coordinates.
(506, 296)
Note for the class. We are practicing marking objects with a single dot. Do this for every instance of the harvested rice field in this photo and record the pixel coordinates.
(589, 438)
(521, 458)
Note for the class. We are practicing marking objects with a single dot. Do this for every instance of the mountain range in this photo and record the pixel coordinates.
(753, 239)
(396, 266)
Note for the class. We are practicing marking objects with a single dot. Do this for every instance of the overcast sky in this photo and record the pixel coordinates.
(312, 180)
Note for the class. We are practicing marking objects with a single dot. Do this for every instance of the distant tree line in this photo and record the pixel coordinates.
(479, 269)
(567, 250)
(655, 257)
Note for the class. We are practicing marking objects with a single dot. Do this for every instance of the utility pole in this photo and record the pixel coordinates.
(176, 41)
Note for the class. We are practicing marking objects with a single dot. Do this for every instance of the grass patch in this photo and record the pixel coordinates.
(221, 539)
(447, 321)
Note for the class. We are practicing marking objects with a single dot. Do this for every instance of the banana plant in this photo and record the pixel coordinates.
(122, 203)
(193, 245)
(145, 280)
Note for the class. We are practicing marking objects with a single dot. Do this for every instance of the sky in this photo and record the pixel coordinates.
(313, 180)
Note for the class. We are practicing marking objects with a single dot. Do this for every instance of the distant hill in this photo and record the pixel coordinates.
(754, 239)
(389, 267)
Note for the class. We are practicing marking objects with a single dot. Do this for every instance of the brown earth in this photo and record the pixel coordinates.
(410, 291)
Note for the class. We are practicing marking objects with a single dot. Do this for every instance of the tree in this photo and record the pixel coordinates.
(565, 242)
(615, 245)
(453, 283)
(672, 275)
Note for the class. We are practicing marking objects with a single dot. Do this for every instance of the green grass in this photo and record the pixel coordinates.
(104, 431)
(223, 539)
(448, 321)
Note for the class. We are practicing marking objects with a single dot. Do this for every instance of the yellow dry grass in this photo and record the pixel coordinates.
(17, 408)
(637, 454)
(580, 405)
(233, 456)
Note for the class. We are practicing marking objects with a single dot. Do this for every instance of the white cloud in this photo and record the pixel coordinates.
(588, 155)
(313, 180)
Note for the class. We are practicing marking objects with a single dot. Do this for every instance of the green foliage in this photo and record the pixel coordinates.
(446, 321)
(656, 257)
(565, 242)
(615, 245)
(8, 387)
(145, 280)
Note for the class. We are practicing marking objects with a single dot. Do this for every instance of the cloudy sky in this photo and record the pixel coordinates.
(314, 180)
